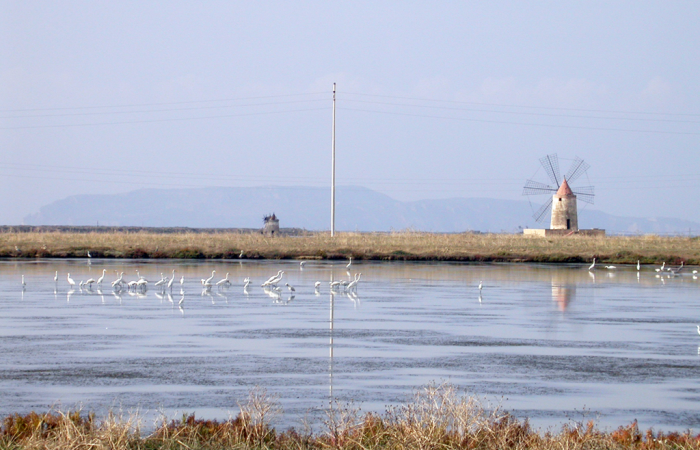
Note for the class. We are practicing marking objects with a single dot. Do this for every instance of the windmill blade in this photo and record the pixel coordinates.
(578, 168)
(585, 194)
(551, 166)
(540, 213)
(536, 188)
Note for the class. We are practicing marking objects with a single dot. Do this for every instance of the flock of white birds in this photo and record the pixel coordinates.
(271, 285)
(165, 283)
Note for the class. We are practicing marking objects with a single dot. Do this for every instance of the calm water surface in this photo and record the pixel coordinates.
(551, 342)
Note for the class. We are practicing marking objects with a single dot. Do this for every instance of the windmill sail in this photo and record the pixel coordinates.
(535, 187)
(550, 163)
(540, 213)
(551, 166)
(578, 168)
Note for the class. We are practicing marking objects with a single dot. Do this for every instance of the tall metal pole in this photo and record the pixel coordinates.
(333, 169)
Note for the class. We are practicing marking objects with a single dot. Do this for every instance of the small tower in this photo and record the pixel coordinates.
(564, 212)
(271, 225)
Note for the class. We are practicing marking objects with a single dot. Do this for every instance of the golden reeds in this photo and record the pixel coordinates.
(437, 418)
(406, 245)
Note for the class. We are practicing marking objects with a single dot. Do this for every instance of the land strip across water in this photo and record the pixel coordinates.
(184, 243)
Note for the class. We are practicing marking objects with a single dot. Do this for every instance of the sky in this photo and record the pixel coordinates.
(434, 99)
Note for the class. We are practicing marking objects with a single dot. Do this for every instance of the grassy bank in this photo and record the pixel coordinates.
(650, 249)
(437, 419)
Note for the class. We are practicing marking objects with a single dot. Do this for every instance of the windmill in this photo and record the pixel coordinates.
(562, 200)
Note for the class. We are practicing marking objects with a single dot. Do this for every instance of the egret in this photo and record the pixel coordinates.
(698, 329)
(349, 263)
(140, 277)
(241, 255)
(353, 283)
(55, 277)
(119, 280)
(224, 281)
(317, 285)
(89, 255)
(301, 265)
(89, 282)
(70, 280)
(172, 280)
(208, 280)
(273, 280)
(675, 271)
(610, 267)
(638, 265)
(662, 267)
(99, 280)
(334, 284)
(695, 272)
(592, 265)
(291, 288)
(481, 285)
(246, 283)
(162, 280)
(23, 283)
(182, 281)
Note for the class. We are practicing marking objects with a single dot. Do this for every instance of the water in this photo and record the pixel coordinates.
(551, 343)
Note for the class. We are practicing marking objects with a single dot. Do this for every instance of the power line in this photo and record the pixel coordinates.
(129, 122)
(576, 127)
(527, 113)
(134, 105)
(523, 106)
(131, 173)
(194, 108)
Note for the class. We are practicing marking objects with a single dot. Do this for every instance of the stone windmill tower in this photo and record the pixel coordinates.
(563, 199)
(564, 210)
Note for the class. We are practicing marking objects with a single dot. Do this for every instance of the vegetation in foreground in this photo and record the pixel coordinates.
(405, 245)
(437, 418)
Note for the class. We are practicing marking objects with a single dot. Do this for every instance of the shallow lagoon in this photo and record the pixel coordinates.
(549, 342)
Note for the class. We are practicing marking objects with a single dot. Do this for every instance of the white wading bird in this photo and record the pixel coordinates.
(99, 280)
(172, 280)
(208, 280)
(273, 280)
(70, 280)
(224, 281)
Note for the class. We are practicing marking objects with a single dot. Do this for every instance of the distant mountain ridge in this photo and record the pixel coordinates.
(357, 209)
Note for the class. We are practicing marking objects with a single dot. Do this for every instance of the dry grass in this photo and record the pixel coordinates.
(377, 246)
(438, 418)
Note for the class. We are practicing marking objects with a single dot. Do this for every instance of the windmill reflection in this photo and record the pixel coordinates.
(563, 290)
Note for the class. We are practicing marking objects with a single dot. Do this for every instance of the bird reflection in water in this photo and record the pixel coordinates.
(207, 293)
(274, 294)
(222, 295)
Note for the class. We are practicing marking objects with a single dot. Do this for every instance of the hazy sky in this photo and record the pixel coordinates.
(435, 99)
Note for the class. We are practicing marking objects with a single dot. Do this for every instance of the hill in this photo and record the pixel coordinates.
(357, 209)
